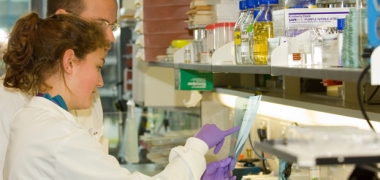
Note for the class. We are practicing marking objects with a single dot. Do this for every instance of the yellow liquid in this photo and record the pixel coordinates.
(262, 31)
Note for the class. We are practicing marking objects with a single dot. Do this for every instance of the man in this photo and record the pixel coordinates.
(102, 11)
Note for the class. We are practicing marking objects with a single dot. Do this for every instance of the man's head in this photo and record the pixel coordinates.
(96, 10)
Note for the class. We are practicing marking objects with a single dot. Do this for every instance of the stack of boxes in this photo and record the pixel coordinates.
(200, 13)
(164, 21)
(225, 11)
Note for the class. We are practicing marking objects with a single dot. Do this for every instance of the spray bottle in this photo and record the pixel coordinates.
(131, 153)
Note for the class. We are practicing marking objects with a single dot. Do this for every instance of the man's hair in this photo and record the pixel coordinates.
(72, 6)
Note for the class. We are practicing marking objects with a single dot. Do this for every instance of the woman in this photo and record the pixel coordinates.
(58, 61)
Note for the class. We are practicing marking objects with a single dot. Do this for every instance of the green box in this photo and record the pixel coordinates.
(193, 80)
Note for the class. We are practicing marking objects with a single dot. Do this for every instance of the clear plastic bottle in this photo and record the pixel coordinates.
(263, 29)
(245, 30)
(237, 33)
(131, 154)
(210, 39)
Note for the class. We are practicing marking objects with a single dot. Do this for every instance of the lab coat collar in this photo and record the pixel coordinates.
(45, 104)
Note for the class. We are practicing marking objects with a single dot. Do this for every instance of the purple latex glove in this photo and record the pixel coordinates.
(219, 170)
(213, 136)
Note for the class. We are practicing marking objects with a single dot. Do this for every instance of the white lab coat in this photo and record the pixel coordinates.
(47, 143)
(12, 100)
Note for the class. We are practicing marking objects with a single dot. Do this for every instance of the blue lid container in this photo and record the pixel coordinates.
(242, 5)
(341, 23)
(257, 3)
(250, 4)
(268, 2)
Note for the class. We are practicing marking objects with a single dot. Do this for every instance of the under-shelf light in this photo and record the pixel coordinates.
(299, 115)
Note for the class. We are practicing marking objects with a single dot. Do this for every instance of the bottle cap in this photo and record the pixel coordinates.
(250, 4)
(257, 3)
(210, 26)
(341, 23)
(220, 24)
(242, 5)
(268, 2)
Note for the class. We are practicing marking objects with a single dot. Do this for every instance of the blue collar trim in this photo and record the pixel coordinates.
(56, 99)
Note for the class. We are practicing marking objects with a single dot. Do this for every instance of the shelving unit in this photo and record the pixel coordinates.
(199, 67)
(308, 101)
(246, 69)
(335, 73)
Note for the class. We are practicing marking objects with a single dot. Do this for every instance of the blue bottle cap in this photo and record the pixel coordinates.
(242, 5)
(268, 2)
(257, 3)
(250, 4)
(341, 23)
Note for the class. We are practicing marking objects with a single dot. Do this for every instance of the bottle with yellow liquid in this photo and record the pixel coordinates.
(237, 33)
(245, 32)
(263, 29)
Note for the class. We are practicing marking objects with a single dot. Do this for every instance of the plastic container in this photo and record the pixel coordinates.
(221, 34)
(340, 28)
(179, 43)
(210, 28)
(230, 32)
(131, 141)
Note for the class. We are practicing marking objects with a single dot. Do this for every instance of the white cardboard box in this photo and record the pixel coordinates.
(314, 17)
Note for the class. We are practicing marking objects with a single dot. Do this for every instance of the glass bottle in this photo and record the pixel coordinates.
(237, 33)
(263, 28)
(187, 55)
(245, 29)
